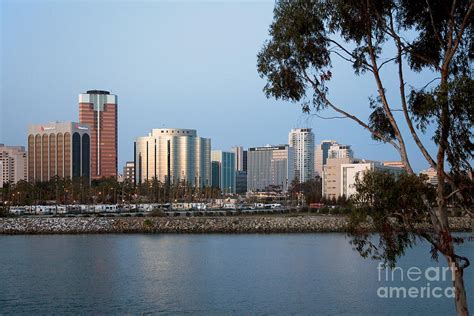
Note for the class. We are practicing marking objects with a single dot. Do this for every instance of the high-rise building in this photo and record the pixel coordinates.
(225, 169)
(352, 171)
(241, 182)
(302, 142)
(215, 174)
(1, 174)
(270, 166)
(14, 163)
(58, 149)
(321, 155)
(340, 151)
(240, 158)
(173, 154)
(129, 172)
(98, 109)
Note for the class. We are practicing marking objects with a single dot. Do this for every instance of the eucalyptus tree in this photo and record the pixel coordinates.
(434, 36)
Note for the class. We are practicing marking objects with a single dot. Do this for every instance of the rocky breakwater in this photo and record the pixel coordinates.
(270, 224)
(85, 225)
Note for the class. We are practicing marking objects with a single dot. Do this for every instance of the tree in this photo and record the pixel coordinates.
(431, 35)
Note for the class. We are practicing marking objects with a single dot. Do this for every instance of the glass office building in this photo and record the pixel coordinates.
(223, 171)
(173, 154)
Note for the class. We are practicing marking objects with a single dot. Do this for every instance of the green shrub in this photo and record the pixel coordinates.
(147, 223)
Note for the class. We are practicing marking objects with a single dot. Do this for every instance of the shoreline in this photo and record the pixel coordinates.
(188, 225)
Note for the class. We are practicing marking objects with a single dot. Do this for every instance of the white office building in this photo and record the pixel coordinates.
(174, 155)
(270, 167)
(302, 142)
(340, 151)
(351, 171)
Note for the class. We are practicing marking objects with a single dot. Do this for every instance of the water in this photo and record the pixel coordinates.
(204, 274)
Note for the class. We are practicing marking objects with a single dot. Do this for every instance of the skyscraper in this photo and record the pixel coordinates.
(225, 168)
(98, 109)
(240, 169)
(14, 164)
(321, 155)
(240, 158)
(302, 142)
(270, 166)
(330, 149)
(58, 149)
(173, 154)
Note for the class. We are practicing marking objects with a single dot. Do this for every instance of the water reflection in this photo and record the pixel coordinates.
(278, 274)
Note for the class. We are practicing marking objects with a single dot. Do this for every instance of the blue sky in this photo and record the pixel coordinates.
(172, 64)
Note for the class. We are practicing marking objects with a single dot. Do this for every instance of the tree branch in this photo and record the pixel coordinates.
(433, 24)
(347, 114)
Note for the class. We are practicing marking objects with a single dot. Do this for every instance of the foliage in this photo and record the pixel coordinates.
(432, 35)
(394, 207)
(105, 190)
(311, 190)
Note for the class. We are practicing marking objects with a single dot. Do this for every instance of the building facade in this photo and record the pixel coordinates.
(302, 142)
(173, 154)
(58, 149)
(340, 151)
(241, 182)
(240, 158)
(331, 178)
(398, 164)
(432, 175)
(352, 171)
(98, 109)
(321, 155)
(270, 166)
(14, 166)
(223, 171)
(129, 172)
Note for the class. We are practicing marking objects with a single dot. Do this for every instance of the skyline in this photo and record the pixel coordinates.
(207, 81)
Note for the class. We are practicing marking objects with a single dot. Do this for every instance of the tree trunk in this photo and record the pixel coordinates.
(442, 214)
(460, 292)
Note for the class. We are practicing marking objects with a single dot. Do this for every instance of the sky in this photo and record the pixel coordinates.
(172, 64)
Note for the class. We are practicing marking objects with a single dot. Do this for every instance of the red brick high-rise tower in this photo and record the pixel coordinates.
(98, 109)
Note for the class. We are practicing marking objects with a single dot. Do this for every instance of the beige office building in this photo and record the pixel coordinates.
(173, 154)
(14, 165)
(332, 176)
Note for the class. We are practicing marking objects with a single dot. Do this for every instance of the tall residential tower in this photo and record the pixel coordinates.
(98, 109)
(302, 141)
